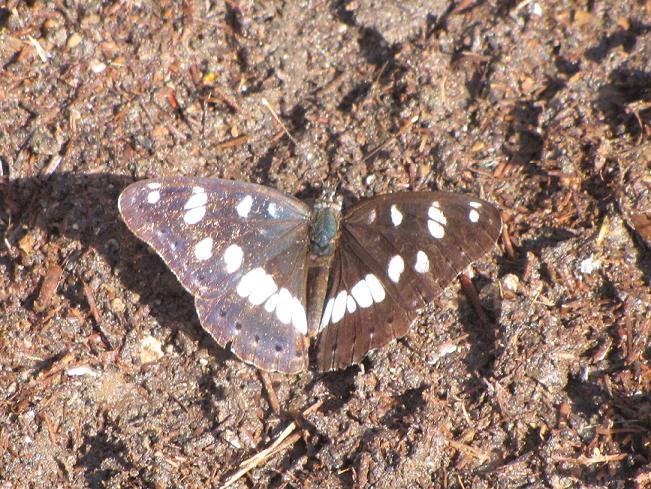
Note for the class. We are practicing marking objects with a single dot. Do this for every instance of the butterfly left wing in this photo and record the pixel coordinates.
(241, 250)
(396, 254)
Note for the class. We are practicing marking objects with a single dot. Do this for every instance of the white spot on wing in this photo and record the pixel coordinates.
(273, 209)
(248, 281)
(195, 206)
(362, 294)
(233, 256)
(422, 262)
(272, 302)
(435, 229)
(195, 215)
(396, 215)
(153, 197)
(372, 216)
(473, 215)
(436, 214)
(351, 305)
(327, 313)
(339, 308)
(395, 268)
(437, 220)
(262, 290)
(374, 285)
(196, 200)
(244, 207)
(299, 319)
(203, 249)
(475, 205)
(153, 185)
(284, 306)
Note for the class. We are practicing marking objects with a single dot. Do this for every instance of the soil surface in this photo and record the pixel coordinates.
(544, 108)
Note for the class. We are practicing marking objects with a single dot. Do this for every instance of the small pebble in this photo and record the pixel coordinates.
(117, 305)
(150, 349)
(74, 40)
(510, 283)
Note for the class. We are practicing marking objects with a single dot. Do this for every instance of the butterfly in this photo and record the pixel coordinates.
(268, 272)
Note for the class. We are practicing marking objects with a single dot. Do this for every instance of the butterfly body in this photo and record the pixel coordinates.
(267, 272)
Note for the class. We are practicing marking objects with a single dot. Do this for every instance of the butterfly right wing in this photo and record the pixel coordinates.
(396, 253)
(240, 249)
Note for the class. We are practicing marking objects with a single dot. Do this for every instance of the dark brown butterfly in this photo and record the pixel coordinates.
(268, 272)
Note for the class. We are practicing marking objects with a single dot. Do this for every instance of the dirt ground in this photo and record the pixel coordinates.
(542, 107)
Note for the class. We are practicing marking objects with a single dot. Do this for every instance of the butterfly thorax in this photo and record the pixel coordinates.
(324, 229)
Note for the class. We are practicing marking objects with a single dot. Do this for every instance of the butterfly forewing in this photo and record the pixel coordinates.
(401, 250)
(241, 250)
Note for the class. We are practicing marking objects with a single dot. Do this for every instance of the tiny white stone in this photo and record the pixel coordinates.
(153, 185)
(195, 215)
(374, 285)
(327, 313)
(422, 262)
(262, 290)
(299, 319)
(589, 265)
(447, 348)
(196, 200)
(437, 215)
(510, 282)
(362, 294)
(244, 207)
(473, 215)
(284, 306)
(435, 229)
(249, 281)
(475, 205)
(536, 9)
(372, 216)
(351, 305)
(339, 308)
(203, 249)
(233, 256)
(153, 197)
(396, 216)
(96, 66)
(273, 209)
(395, 268)
(81, 371)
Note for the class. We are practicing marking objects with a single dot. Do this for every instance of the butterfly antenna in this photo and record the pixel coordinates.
(266, 103)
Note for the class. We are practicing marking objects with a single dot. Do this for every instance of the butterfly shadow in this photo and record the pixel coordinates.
(72, 216)
(481, 326)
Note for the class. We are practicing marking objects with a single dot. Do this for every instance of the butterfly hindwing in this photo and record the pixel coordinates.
(269, 333)
(404, 248)
(241, 250)
(358, 316)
